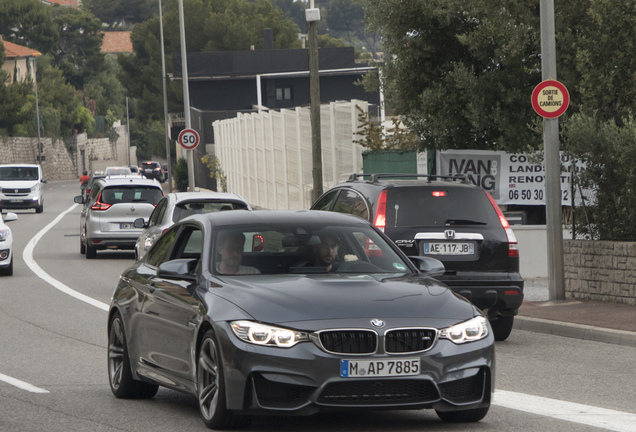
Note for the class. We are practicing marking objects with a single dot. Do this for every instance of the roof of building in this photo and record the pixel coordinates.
(59, 2)
(17, 51)
(117, 42)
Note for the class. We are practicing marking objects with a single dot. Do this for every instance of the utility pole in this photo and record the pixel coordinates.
(312, 15)
(37, 111)
(165, 100)
(128, 131)
(554, 214)
(186, 95)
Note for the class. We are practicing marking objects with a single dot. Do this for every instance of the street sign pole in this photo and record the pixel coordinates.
(554, 214)
(186, 95)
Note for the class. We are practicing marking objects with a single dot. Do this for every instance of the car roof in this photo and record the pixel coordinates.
(230, 218)
(20, 165)
(127, 180)
(405, 179)
(188, 196)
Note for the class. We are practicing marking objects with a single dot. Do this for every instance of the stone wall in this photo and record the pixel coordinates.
(66, 160)
(600, 270)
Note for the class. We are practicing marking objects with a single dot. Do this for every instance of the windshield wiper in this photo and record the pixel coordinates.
(463, 222)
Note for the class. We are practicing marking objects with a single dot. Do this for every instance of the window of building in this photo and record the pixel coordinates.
(283, 93)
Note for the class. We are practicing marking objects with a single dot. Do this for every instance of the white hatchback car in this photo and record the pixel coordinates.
(109, 212)
(6, 245)
(176, 206)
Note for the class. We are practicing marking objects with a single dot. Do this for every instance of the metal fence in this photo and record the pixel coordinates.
(266, 156)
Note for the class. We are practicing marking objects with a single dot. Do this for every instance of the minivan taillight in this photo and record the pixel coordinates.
(380, 213)
(513, 247)
(100, 205)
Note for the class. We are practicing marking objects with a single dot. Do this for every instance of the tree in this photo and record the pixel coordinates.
(78, 53)
(28, 23)
(121, 12)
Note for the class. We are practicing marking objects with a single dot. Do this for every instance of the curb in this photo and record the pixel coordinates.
(576, 331)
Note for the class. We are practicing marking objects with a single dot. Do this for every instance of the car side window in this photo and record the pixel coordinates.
(351, 202)
(157, 214)
(159, 252)
(326, 201)
(189, 244)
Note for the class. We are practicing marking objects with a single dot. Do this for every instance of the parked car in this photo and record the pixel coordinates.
(117, 171)
(107, 218)
(6, 245)
(369, 331)
(175, 206)
(449, 219)
(21, 187)
(152, 170)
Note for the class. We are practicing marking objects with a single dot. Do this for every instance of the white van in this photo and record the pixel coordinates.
(21, 187)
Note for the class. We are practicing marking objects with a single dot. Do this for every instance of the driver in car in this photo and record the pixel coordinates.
(231, 253)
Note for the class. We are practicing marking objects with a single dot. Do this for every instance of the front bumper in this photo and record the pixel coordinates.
(22, 202)
(303, 380)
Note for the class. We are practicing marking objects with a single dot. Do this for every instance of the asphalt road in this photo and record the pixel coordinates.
(53, 373)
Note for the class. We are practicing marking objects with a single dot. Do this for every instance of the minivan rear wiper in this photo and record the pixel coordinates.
(463, 222)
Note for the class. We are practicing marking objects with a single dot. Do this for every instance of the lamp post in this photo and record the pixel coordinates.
(186, 95)
(312, 15)
(165, 99)
(37, 111)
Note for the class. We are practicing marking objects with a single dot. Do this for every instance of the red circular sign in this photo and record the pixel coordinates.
(550, 99)
(188, 139)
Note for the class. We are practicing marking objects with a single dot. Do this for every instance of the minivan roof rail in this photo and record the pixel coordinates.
(374, 178)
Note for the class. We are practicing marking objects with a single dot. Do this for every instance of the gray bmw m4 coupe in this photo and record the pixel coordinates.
(295, 312)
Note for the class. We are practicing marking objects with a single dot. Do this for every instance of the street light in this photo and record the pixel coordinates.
(165, 99)
(37, 111)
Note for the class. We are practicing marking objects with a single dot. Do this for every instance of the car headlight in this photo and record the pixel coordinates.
(263, 334)
(35, 187)
(472, 330)
(148, 243)
(4, 234)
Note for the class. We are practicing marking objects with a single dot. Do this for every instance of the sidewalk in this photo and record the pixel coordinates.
(582, 319)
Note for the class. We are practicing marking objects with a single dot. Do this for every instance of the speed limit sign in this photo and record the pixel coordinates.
(188, 139)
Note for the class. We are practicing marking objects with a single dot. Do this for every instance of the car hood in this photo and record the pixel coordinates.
(286, 299)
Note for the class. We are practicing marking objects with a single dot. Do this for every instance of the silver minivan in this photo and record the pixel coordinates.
(108, 215)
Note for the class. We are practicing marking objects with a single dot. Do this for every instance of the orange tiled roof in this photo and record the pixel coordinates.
(117, 42)
(13, 50)
(60, 2)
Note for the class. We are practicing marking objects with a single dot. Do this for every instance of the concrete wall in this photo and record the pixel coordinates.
(600, 270)
(66, 160)
(533, 250)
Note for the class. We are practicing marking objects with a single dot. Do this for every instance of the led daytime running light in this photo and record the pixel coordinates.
(263, 334)
(469, 331)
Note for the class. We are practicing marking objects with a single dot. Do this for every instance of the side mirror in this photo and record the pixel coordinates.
(181, 269)
(429, 266)
(79, 199)
(10, 217)
(43, 180)
(139, 223)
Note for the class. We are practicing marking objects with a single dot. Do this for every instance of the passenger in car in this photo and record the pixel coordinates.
(230, 250)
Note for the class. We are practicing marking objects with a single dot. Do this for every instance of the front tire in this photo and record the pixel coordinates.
(502, 327)
(82, 248)
(120, 378)
(7, 271)
(40, 208)
(211, 388)
(465, 416)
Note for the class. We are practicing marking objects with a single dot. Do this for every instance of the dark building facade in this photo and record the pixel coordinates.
(224, 83)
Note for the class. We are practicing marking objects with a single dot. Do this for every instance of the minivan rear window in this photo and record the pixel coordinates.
(418, 206)
(130, 194)
(184, 210)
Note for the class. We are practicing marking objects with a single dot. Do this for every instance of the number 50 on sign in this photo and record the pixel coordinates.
(188, 139)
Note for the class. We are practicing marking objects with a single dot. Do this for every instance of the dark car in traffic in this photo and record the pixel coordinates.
(152, 170)
(447, 218)
(292, 313)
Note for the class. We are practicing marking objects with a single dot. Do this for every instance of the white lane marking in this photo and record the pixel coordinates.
(568, 411)
(21, 384)
(27, 256)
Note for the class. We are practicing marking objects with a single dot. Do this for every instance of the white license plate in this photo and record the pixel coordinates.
(15, 201)
(126, 226)
(379, 368)
(440, 248)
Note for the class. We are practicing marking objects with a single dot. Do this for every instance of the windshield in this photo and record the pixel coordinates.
(303, 249)
(18, 173)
